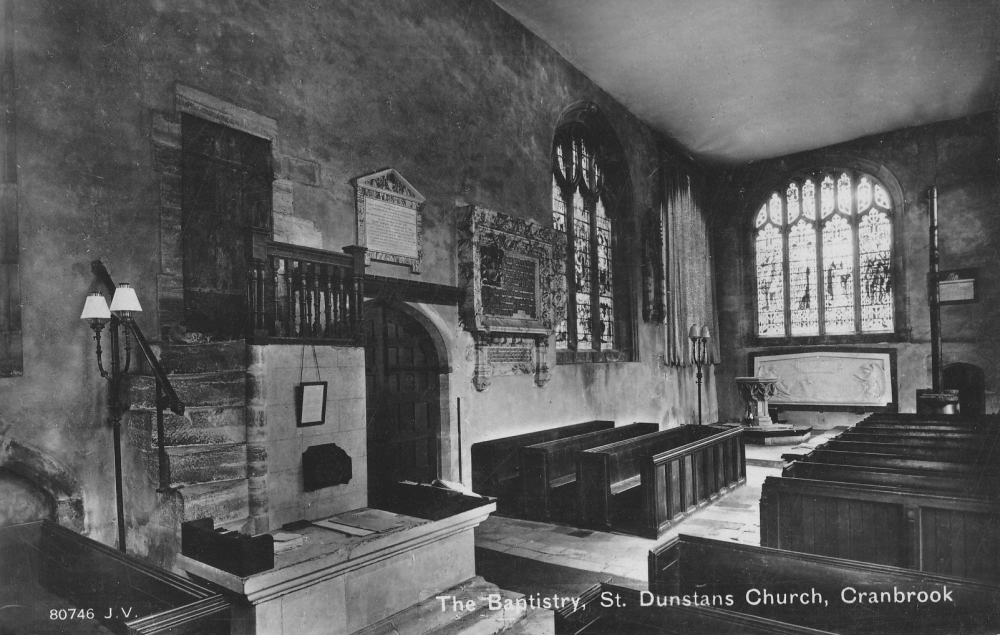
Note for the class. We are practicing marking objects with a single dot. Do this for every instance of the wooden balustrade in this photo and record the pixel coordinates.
(303, 294)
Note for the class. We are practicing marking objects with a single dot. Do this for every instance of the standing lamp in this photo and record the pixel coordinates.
(96, 313)
(699, 355)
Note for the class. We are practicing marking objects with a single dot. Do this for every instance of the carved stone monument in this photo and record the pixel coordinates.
(389, 212)
(512, 271)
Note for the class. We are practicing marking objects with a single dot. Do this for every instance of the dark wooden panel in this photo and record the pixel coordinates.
(548, 470)
(711, 568)
(497, 461)
(628, 617)
(807, 514)
(87, 574)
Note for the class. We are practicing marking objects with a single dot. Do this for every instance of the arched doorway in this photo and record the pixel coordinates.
(403, 400)
(970, 383)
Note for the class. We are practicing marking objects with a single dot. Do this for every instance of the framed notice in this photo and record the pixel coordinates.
(311, 403)
(389, 214)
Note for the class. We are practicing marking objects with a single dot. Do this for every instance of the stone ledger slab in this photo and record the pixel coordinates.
(338, 584)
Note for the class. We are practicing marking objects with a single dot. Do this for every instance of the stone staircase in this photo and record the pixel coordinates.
(207, 446)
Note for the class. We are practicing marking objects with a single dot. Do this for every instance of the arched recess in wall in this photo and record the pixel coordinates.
(775, 179)
(592, 202)
(970, 382)
(406, 360)
(40, 487)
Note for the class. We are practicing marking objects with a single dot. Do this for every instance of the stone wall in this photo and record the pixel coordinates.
(960, 158)
(454, 94)
(282, 368)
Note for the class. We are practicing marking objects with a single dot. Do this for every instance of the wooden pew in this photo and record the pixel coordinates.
(548, 470)
(941, 452)
(126, 595)
(841, 457)
(496, 463)
(911, 436)
(943, 482)
(608, 609)
(715, 568)
(929, 531)
(643, 485)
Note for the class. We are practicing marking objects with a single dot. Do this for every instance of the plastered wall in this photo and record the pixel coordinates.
(454, 94)
(960, 158)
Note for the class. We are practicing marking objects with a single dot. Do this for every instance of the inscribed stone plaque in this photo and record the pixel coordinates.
(389, 213)
(513, 291)
(392, 229)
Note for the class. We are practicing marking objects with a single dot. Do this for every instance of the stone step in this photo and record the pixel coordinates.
(224, 388)
(225, 501)
(193, 464)
(202, 358)
(537, 622)
(427, 617)
(198, 425)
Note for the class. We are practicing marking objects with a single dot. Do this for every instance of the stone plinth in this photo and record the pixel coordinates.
(758, 427)
(756, 391)
(339, 584)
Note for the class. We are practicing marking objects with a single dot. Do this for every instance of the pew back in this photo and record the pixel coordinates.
(607, 609)
(126, 594)
(614, 470)
(744, 572)
(495, 463)
(934, 532)
(550, 465)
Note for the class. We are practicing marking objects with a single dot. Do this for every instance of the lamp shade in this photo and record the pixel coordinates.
(705, 333)
(693, 333)
(95, 309)
(125, 302)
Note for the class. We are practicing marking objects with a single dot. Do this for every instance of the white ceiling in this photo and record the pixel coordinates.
(737, 80)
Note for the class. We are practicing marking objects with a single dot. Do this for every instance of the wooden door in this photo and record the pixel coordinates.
(403, 401)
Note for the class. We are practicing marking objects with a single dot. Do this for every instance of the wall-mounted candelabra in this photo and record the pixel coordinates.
(124, 304)
(699, 355)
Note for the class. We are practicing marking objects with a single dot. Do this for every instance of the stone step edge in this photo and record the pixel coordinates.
(196, 448)
(427, 617)
(241, 373)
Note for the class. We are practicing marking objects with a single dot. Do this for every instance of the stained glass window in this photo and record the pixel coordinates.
(579, 209)
(825, 266)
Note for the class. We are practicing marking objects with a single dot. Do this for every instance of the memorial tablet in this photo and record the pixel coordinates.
(389, 218)
(513, 273)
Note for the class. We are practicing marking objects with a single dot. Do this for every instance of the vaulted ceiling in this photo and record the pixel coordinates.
(738, 80)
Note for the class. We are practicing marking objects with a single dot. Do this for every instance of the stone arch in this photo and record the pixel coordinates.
(970, 381)
(31, 472)
(446, 454)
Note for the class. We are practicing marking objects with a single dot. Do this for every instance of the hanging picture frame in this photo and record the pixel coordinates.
(310, 403)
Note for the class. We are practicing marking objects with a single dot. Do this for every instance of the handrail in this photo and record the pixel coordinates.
(172, 400)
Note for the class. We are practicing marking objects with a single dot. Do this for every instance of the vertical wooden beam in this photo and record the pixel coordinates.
(11, 355)
(934, 293)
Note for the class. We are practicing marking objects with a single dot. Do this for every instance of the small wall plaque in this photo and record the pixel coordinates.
(958, 286)
(324, 466)
(389, 212)
(311, 403)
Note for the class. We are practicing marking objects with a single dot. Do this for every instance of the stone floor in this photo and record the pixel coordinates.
(527, 546)
(540, 558)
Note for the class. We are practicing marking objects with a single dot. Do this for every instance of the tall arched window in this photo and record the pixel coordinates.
(588, 191)
(823, 251)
